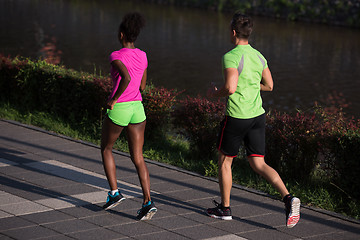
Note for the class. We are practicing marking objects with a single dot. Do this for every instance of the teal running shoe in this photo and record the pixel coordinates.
(113, 200)
(147, 211)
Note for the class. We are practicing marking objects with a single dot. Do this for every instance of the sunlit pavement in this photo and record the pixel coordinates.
(53, 187)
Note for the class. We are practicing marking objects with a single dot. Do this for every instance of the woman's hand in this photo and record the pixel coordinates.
(110, 104)
(124, 82)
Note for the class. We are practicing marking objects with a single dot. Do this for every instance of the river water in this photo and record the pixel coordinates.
(309, 62)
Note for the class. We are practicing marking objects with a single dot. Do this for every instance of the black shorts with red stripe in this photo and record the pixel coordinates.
(235, 131)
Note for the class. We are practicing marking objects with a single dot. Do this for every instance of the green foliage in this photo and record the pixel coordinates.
(39, 86)
(211, 169)
(51, 122)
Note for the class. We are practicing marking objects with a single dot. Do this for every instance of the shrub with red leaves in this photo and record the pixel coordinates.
(292, 143)
(159, 103)
(324, 139)
(340, 149)
(198, 119)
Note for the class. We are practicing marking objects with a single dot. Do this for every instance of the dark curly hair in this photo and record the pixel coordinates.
(131, 25)
(242, 24)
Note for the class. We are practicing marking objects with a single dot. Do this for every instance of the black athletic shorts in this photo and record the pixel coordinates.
(235, 131)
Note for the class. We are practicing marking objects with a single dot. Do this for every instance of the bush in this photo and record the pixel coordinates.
(159, 104)
(74, 96)
(198, 119)
(320, 143)
(37, 85)
(346, 154)
(292, 143)
(341, 151)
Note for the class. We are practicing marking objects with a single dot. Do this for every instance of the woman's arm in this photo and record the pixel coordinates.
(125, 80)
(231, 80)
(267, 83)
(143, 81)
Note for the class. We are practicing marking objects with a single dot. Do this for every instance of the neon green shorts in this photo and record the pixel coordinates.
(126, 113)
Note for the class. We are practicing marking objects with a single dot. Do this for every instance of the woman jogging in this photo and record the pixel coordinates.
(125, 110)
(246, 73)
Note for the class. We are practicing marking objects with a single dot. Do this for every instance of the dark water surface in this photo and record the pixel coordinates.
(185, 46)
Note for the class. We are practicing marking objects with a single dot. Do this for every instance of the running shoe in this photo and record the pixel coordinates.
(113, 200)
(147, 211)
(219, 212)
(292, 210)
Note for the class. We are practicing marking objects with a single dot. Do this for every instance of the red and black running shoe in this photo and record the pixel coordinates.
(219, 212)
(292, 209)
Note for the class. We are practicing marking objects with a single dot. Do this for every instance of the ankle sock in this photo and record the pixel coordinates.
(223, 207)
(287, 197)
(113, 192)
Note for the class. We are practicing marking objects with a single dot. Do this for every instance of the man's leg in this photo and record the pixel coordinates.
(259, 166)
(225, 178)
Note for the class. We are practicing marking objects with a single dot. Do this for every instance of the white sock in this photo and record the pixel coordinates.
(114, 191)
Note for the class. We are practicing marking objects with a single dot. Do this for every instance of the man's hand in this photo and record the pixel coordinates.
(211, 91)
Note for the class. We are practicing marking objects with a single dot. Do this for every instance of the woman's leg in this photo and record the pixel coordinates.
(135, 133)
(109, 134)
(259, 166)
(225, 178)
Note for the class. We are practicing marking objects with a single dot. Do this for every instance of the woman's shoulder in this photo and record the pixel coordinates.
(124, 54)
(140, 54)
(139, 51)
(115, 55)
(117, 52)
(127, 52)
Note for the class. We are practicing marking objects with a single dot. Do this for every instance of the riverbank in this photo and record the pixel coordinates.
(331, 12)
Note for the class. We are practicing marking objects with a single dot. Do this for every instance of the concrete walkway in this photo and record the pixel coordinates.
(53, 187)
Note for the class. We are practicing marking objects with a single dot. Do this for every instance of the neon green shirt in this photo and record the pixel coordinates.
(246, 102)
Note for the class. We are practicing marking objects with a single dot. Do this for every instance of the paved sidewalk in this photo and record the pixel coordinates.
(53, 187)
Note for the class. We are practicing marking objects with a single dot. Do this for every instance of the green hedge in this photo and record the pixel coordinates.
(76, 97)
(39, 86)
